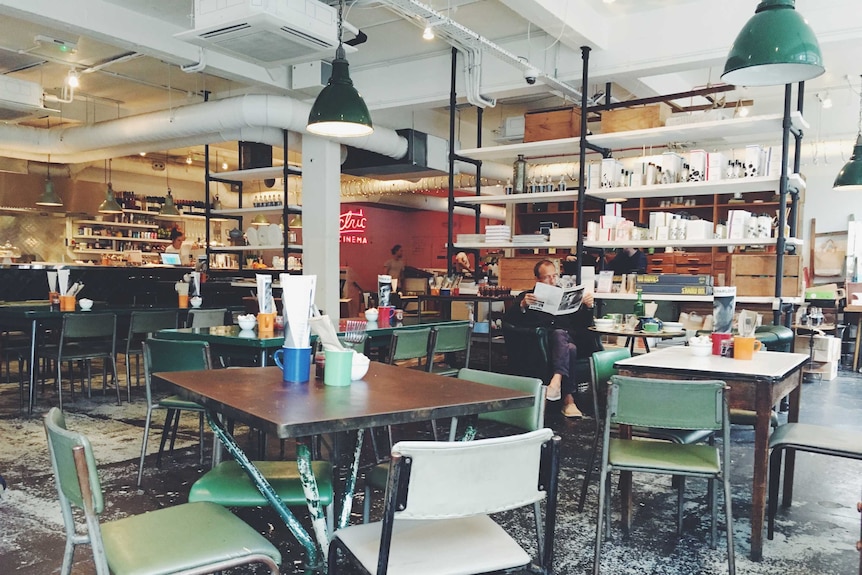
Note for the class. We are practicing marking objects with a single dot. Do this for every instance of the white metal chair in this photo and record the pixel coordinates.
(438, 498)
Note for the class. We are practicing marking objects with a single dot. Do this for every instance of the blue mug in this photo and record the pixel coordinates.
(295, 363)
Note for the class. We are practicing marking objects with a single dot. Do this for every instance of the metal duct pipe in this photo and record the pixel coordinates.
(420, 202)
(194, 124)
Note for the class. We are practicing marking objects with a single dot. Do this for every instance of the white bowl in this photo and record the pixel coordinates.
(700, 350)
(85, 304)
(604, 323)
(246, 323)
(196, 301)
(672, 326)
(360, 366)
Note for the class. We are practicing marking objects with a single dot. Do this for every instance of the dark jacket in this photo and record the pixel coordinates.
(628, 264)
(574, 323)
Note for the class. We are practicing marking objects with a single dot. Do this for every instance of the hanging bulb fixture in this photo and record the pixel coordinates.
(850, 177)
(776, 46)
(49, 197)
(339, 110)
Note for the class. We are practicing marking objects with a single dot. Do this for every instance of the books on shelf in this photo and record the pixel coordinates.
(674, 279)
(529, 238)
(498, 233)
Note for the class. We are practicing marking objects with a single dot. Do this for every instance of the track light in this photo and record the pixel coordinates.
(73, 79)
(428, 34)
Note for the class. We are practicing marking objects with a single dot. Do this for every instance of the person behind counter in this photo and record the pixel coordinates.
(569, 338)
(177, 247)
(628, 261)
(394, 267)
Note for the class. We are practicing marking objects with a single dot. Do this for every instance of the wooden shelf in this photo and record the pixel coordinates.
(707, 243)
(255, 174)
(266, 210)
(291, 247)
(158, 216)
(688, 189)
(740, 299)
(115, 224)
(123, 239)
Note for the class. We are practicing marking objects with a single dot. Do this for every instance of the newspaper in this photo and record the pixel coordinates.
(556, 300)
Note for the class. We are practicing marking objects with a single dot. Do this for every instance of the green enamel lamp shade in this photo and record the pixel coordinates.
(169, 209)
(49, 197)
(776, 46)
(110, 205)
(260, 220)
(850, 177)
(339, 110)
(295, 221)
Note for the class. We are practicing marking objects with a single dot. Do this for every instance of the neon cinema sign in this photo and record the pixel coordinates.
(352, 226)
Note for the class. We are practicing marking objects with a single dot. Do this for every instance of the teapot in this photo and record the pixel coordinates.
(236, 237)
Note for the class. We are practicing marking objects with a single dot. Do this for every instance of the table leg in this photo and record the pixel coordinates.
(646, 344)
(34, 328)
(763, 407)
(350, 485)
(625, 432)
(263, 358)
(304, 462)
(858, 341)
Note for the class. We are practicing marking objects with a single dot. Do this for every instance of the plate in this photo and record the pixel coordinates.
(274, 235)
(251, 234)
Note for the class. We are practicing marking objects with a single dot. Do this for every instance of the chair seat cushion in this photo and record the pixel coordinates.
(683, 436)
(177, 402)
(377, 476)
(473, 545)
(655, 456)
(179, 538)
(229, 485)
(818, 439)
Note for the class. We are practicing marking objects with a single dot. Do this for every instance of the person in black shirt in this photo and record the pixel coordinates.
(569, 337)
(628, 261)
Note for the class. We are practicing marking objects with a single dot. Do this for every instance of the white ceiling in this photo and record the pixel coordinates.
(130, 60)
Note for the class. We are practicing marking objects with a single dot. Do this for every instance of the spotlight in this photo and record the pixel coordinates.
(72, 79)
(428, 34)
(224, 165)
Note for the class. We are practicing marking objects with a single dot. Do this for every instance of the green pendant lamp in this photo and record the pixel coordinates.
(169, 208)
(295, 221)
(109, 205)
(339, 110)
(849, 179)
(776, 46)
(260, 220)
(49, 197)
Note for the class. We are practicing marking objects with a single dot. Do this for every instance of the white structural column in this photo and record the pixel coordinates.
(321, 207)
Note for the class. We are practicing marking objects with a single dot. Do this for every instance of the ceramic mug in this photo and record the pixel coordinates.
(385, 315)
(717, 339)
(371, 314)
(295, 363)
(745, 347)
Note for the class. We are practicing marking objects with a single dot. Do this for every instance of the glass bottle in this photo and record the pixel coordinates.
(519, 176)
(639, 309)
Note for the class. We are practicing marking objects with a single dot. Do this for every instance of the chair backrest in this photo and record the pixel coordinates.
(173, 355)
(144, 322)
(527, 351)
(667, 403)
(526, 418)
(85, 325)
(601, 370)
(76, 485)
(415, 286)
(441, 480)
(409, 344)
(449, 339)
(206, 317)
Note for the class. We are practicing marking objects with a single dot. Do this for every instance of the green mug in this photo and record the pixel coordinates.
(650, 327)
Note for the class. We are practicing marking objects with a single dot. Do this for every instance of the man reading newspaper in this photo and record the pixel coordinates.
(566, 313)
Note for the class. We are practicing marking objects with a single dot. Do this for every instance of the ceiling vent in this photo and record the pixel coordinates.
(426, 156)
(268, 32)
(19, 99)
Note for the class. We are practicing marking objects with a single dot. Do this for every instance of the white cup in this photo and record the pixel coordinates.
(371, 314)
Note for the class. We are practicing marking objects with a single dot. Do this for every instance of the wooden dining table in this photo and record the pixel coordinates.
(755, 385)
(387, 395)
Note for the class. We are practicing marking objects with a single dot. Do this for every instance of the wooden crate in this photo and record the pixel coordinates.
(639, 118)
(754, 274)
(517, 273)
(552, 124)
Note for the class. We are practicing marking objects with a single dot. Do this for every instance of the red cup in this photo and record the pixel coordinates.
(717, 338)
(384, 316)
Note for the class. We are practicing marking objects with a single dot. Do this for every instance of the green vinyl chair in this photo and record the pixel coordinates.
(666, 404)
(601, 370)
(142, 324)
(170, 355)
(207, 318)
(407, 344)
(188, 538)
(449, 339)
(439, 495)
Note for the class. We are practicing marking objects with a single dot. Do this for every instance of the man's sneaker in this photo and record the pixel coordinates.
(553, 393)
(571, 410)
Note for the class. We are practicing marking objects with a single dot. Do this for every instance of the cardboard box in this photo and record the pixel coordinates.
(640, 118)
(826, 347)
(828, 370)
(552, 124)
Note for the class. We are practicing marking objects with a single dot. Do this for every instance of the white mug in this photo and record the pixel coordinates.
(371, 314)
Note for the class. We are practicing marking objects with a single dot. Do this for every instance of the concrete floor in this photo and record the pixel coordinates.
(815, 536)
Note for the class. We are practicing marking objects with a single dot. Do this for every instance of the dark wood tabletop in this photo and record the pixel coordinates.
(387, 395)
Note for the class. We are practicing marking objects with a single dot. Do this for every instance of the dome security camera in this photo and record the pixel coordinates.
(530, 75)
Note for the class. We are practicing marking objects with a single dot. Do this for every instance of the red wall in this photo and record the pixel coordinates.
(421, 233)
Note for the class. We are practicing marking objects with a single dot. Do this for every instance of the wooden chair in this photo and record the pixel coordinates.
(438, 497)
(188, 538)
(667, 404)
(792, 437)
